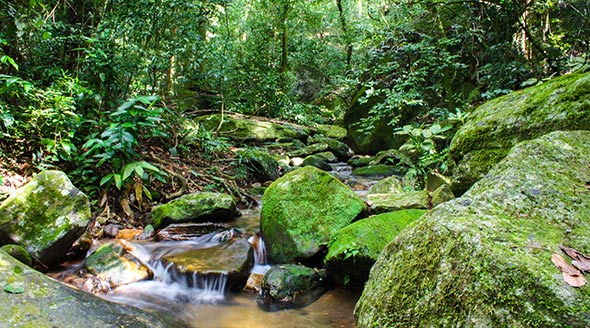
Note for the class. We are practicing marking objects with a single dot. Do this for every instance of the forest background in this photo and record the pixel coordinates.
(101, 89)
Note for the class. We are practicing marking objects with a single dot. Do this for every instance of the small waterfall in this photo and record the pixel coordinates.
(260, 258)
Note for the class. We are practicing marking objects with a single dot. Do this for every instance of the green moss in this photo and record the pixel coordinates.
(389, 185)
(381, 203)
(243, 128)
(195, 207)
(289, 283)
(355, 248)
(301, 210)
(45, 216)
(379, 170)
(484, 260)
(331, 131)
(497, 125)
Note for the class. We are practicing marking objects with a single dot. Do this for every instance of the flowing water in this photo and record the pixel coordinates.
(205, 302)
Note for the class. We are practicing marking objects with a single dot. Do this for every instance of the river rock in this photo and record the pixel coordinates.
(302, 210)
(338, 148)
(494, 127)
(309, 150)
(327, 156)
(250, 129)
(19, 253)
(391, 157)
(389, 185)
(45, 216)
(316, 161)
(291, 285)
(355, 248)
(484, 259)
(204, 267)
(111, 263)
(381, 203)
(331, 131)
(31, 299)
(262, 165)
(202, 206)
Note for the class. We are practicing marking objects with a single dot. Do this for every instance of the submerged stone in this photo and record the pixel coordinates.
(41, 302)
(302, 210)
(202, 206)
(291, 285)
(45, 216)
(232, 260)
(497, 125)
(484, 259)
(355, 248)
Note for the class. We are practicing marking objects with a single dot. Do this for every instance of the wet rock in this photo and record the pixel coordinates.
(128, 234)
(188, 231)
(112, 264)
(379, 170)
(262, 165)
(309, 150)
(381, 203)
(302, 210)
(355, 248)
(316, 161)
(19, 253)
(338, 148)
(45, 216)
(148, 233)
(359, 161)
(254, 282)
(233, 259)
(203, 206)
(327, 156)
(41, 302)
(484, 259)
(250, 129)
(389, 185)
(291, 285)
(111, 230)
(497, 125)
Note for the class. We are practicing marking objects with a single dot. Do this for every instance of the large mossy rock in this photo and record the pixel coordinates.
(45, 216)
(331, 131)
(302, 210)
(355, 248)
(382, 203)
(202, 206)
(227, 264)
(484, 259)
(250, 129)
(112, 264)
(291, 285)
(497, 125)
(31, 299)
(261, 164)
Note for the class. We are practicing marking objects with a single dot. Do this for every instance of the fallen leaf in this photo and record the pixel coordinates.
(571, 275)
(580, 260)
(574, 281)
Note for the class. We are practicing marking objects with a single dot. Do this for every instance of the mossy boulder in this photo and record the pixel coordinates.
(484, 259)
(19, 253)
(316, 161)
(45, 216)
(327, 156)
(331, 131)
(391, 157)
(338, 148)
(113, 265)
(389, 185)
(302, 210)
(497, 125)
(261, 164)
(379, 170)
(197, 207)
(309, 150)
(31, 299)
(205, 267)
(355, 248)
(360, 161)
(251, 129)
(291, 285)
(381, 203)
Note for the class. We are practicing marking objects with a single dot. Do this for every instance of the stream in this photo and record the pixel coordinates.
(205, 302)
